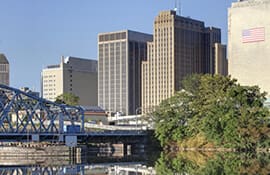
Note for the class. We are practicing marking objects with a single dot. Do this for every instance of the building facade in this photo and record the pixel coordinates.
(181, 46)
(119, 70)
(73, 75)
(4, 70)
(211, 37)
(221, 61)
(249, 42)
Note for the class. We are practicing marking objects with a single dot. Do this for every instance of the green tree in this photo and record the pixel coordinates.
(219, 163)
(171, 118)
(252, 117)
(67, 98)
(216, 107)
(171, 165)
(191, 83)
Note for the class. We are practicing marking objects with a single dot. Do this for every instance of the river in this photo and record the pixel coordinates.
(146, 163)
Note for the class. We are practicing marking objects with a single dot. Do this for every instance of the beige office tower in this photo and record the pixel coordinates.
(73, 75)
(4, 70)
(249, 42)
(181, 46)
(221, 61)
(119, 70)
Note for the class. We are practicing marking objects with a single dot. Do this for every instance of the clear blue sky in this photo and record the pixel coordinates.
(36, 33)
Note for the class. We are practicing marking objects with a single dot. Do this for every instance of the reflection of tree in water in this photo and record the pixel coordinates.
(213, 164)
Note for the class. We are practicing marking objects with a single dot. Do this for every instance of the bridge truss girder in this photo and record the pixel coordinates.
(21, 112)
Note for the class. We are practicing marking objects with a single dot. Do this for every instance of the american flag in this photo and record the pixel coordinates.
(253, 35)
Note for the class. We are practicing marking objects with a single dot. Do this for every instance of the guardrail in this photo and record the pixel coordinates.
(113, 127)
(104, 127)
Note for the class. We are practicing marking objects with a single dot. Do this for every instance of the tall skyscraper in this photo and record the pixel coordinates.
(119, 70)
(181, 46)
(4, 70)
(249, 42)
(73, 75)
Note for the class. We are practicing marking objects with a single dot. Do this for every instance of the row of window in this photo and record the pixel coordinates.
(50, 89)
(4, 68)
(48, 76)
(49, 85)
(49, 94)
(111, 37)
(46, 81)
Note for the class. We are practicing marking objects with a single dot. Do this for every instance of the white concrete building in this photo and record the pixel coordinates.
(73, 75)
(249, 42)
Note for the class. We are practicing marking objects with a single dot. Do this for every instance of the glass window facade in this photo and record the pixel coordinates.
(119, 70)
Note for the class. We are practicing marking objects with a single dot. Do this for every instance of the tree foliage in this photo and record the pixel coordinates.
(221, 163)
(67, 98)
(171, 118)
(216, 107)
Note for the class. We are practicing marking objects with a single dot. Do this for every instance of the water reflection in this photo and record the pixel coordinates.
(213, 163)
(201, 163)
(91, 169)
(88, 165)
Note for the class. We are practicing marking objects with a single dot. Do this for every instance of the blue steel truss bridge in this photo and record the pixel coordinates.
(27, 118)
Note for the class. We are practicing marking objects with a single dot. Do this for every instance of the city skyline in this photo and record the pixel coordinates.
(35, 34)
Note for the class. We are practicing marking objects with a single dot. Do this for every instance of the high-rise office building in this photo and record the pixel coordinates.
(249, 42)
(212, 35)
(73, 75)
(4, 70)
(181, 46)
(221, 61)
(119, 70)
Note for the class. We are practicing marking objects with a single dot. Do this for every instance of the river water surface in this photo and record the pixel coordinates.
(204, 163)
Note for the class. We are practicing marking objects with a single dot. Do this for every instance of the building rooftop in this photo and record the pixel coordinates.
(53, 66)
(3, 59)
(124, 34)
(248, 3)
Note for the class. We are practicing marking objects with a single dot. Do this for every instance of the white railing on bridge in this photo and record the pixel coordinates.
(104, 127)
(114, 127)
(142, 169)
(120, 168)
(128, 117)
(101, 126)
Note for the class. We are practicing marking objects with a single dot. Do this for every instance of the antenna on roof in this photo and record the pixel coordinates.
(177, 7)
